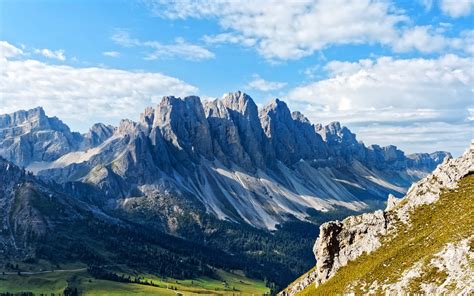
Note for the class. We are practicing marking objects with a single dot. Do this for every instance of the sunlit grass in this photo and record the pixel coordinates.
(225, 283)
(450, 219)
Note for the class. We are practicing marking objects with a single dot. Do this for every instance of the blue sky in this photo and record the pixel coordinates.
(395, 72)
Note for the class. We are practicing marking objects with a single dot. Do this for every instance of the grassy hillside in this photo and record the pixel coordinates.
(225, 283)
(450, 219)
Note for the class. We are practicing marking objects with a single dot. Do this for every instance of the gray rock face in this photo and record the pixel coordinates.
(184, 126)
(237, 133)
(97, 134)
(427, 161)
(28, 211)
(31, 136)
(241, 164)
(341, 242)
(27, 136)
(291, 138)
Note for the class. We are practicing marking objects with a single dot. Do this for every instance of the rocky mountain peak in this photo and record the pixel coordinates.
(335, 132)
(148, 116)
(297, 115)
(240, 102)
(27, 136)
(98, 133)
(183, 123)
(29, 120)
(19, 117)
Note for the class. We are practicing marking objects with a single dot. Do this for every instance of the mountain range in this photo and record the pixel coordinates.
(260, 167)
(189, 180)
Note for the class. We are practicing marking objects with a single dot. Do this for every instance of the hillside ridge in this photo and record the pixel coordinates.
(342, 242)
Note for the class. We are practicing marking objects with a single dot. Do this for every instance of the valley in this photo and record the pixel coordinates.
(56, 281)
(190, 189)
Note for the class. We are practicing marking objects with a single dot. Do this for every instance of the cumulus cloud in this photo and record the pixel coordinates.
(82, 96)
(229, 38)
(51, 54)
(392, 92)
(287, 29)
(7, 50)
(427, 39)
(261, 84)
(180, 48)
(457, 8)
(112, 54)
(418, 137)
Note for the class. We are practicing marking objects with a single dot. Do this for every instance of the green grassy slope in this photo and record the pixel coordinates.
(450, 219)
(55, 282)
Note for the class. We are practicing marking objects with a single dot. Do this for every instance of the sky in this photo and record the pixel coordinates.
(394, 72)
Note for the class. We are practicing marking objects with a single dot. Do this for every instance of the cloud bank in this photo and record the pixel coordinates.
(290, 30)
(385, 97)
(80, 96)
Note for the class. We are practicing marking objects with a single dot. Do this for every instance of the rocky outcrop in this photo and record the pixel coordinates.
(452, 264)
(342, 241)
(97, 134)
(291, 138)
(27, 136)
(236, 131)
(31, 136)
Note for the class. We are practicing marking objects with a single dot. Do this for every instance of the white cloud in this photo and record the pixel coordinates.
(180, 48)
(82, 96)
(418, 137)
(457, 8)
(8, 51)
(288, 29)
(260, 84)
(52, 54)
(423, 39)
(229, 38)
(428, 39)
(393, 93)
(112, 54)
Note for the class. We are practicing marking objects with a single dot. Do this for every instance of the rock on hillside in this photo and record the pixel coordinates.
(342, 242)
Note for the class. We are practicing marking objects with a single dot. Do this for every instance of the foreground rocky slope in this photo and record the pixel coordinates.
(259, 167)
(421, 243)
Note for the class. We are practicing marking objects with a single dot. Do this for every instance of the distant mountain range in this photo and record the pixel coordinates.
(260, 167)
(188, 181)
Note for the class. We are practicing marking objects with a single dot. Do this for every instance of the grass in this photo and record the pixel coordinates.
(450, 219)
(56, 282)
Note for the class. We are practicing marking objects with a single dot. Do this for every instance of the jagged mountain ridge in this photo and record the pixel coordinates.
(438, 209)
(242, 164)
(31, 136)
